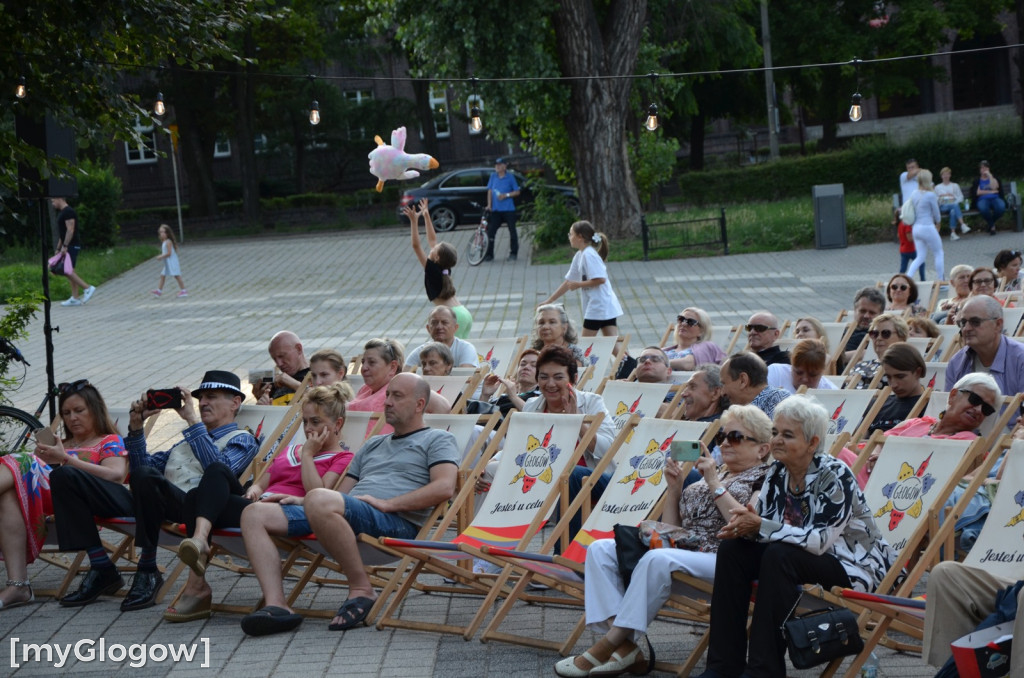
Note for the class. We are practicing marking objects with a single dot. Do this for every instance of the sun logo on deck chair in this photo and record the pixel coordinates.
(837, 422)
(1019, 500)
(906, 494)
(649, 466)
(488, 359)
(588, 356)
(535, 463)
(623, 413)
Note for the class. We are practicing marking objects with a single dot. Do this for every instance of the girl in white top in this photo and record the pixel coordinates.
(588, 274)
(169, 255)
(926, 226)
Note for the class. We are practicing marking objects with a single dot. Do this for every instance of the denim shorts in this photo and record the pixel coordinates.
(295, 514)
(361, 517)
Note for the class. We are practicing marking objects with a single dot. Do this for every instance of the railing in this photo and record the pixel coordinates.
(689, 233)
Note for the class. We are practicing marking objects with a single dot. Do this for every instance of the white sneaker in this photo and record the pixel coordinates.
(71, 302)
(87, 293)
(953, 235)
(965, 229)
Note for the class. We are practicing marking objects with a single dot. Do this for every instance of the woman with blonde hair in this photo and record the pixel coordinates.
(693, 341)
(926, 226)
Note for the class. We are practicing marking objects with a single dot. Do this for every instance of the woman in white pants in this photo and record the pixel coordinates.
(703, 509)
(926, 226)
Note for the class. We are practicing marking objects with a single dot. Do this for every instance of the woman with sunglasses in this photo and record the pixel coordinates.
(1007, 265)
(901, 292)
(693, 341)
(810, 525)
(885, 329)
(701, 510)
(90, 445)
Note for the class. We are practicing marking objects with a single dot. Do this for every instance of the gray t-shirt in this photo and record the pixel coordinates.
(389, 466)
(463, 352)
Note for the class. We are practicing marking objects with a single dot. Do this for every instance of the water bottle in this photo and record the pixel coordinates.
(870, 668)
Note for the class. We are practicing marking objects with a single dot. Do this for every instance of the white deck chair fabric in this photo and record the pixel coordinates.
(623, 398)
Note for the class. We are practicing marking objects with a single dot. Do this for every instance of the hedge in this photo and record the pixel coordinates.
(870, 166)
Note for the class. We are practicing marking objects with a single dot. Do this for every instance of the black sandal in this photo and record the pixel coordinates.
(354, 612)
(270, 619)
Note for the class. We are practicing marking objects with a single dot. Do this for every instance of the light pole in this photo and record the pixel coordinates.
(769, 84)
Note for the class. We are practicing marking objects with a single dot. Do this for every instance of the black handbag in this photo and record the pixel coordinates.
(57, 267)
(629, 549)
(823, 635)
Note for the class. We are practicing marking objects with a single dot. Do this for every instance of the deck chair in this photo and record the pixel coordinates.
(623, 398)
(935, 376)
(601, 356)
(850, 411)
(634, 493)
(500, 355)
(539, 451)
(1004, 528)
(456, 389)
(1011, 320)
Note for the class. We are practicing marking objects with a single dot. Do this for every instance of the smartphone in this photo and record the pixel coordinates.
(685, 450)
(45, 436)
(267, 380)
(163, 399)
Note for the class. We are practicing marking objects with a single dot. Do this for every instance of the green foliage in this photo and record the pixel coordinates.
(869, 166)
(652, 158)
(21, 270)
(14, 326)
(99, 196)
(553, 218)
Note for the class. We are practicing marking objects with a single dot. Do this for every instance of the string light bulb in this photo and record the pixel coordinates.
(475, 123)
(652, 118)
(20, 90)
(855, 110)
(158, 107)
(314, 113)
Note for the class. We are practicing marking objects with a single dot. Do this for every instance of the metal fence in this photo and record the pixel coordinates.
(689, 233)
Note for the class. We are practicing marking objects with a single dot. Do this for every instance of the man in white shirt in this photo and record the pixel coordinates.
(441, 325)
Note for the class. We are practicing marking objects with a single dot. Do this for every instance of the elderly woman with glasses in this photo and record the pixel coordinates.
(901, 292)
(701, 510)
(982, 282)
(886, 329)
(1007, 265)
(693, 341)
(810, 525)
(90, 445)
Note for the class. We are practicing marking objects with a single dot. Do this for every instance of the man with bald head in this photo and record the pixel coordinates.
(762, 333)
(986, 349)
(441, 326)
(389, 490)
(292, 366)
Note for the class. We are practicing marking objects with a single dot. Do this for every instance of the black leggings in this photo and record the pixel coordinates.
(219, 498)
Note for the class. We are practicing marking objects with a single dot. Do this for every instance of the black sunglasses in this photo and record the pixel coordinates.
(874, 334)
(975, 400)
(758, 328)
(894, 286)
(973, 322)
(734, 437)
(687, 321)
(73, 386)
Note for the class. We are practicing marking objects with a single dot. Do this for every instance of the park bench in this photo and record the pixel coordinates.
(1012, 206)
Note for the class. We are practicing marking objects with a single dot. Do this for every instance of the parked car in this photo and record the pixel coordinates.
(459, 196)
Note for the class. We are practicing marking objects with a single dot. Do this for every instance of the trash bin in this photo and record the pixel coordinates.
(829, 216)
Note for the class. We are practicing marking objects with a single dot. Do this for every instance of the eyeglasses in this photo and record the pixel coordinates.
(650, 359)
(874, 334)
(983, 281)
(902, 288)
(975, 400)
(973, 322)
(734, 437)
(759, 328)
(687, 321)
(72, 387)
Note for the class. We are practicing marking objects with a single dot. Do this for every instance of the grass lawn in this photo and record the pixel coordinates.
(21, 269)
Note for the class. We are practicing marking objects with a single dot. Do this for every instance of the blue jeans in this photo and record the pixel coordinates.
(955, 215)
(905, 259)
(990, 207)
(494, 223)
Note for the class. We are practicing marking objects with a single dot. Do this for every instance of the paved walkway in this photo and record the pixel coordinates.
(338, 291)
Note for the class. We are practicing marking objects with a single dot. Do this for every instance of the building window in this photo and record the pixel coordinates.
(356, 97)
(143, 152)
(260, 144)
(471, 101)
(222, 147)
(439, 107)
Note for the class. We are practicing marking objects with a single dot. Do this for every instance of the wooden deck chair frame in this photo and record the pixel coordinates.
(468, 582)
(501, 354)
(607, 364)
(572, 590)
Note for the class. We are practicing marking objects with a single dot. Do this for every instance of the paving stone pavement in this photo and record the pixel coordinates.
(338, 290)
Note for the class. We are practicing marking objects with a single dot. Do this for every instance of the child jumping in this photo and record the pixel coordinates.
(588, 274)
(169, 254)
(437, 267)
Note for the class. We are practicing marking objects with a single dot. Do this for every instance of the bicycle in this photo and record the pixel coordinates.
(17, 426)
(477, 247)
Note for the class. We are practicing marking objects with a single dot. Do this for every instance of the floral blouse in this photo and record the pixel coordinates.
(697, 510)
(830, 516)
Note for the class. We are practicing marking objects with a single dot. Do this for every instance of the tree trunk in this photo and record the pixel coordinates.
(425, 115)
(244, 137)
(597, 108)
(197, 140)
(697, 141)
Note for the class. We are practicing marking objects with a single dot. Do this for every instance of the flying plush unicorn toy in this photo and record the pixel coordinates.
(392, 162)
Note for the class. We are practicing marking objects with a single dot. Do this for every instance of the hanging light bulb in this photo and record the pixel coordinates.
(475, 123)
(158, 107)
(314, 113)
(855, 110)
(652, 118)
(20, 91)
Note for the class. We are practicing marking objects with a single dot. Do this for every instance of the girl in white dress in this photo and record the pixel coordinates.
(169, 255)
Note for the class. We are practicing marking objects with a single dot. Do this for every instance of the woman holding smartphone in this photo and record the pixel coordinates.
(702, 510)
(91, 445)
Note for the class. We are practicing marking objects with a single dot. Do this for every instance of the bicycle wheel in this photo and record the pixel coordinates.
(16, 429)
(477, 247)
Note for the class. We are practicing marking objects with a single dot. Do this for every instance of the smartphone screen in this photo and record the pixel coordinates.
(163, 399)
(685, 450)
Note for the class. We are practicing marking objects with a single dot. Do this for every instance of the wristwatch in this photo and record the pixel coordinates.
(719, 491)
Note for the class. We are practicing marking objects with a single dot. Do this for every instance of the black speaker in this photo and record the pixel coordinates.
(57, 142)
